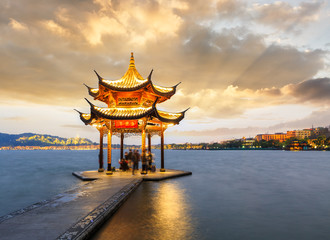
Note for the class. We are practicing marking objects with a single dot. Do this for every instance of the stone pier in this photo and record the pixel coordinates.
(78, 213)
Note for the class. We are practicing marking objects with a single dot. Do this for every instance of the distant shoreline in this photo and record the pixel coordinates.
(97, 147)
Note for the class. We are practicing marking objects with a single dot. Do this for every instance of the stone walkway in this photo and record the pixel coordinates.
(77, 213)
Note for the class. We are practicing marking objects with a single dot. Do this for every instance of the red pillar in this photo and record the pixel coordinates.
(162, 168)
(101, 169)
(109, 170)
(121, 146)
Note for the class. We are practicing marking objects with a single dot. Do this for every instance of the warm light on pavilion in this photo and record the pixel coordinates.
(131, 109)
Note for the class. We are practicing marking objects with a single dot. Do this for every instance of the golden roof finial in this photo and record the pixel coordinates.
(131, 62)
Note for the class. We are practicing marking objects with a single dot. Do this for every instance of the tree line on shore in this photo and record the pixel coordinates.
(32, 139)
(319, 143)
(28, 139)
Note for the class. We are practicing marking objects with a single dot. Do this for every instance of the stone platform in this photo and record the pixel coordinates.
(151, 176)
(78, 213)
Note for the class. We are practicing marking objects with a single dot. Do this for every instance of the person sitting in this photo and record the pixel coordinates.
(123, 165)
(149, 161)
(135, 163)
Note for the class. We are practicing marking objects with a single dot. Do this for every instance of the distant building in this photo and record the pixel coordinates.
(312, 133)
(320, 131)
(267, 137)
(248, 142)
(299, 134)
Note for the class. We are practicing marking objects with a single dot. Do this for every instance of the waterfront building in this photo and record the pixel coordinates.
(248, 142)
(281, 137)
(131, 110)
(299, 134)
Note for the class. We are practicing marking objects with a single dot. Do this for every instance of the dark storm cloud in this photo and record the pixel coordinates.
(314, 90)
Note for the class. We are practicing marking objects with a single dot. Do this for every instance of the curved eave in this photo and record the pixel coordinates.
(86, 118)
(130, 113)
(123, 89)
(94, 92)
(169, 117)
(131, 81)
(171, 91)
(167, 91)
(121, 113)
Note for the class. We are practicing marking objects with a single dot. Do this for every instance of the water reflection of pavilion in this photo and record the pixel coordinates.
(131, 110)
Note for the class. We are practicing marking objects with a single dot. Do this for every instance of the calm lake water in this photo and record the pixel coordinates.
(231, 194)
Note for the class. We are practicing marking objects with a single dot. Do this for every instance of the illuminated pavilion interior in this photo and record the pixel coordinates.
(131, 110)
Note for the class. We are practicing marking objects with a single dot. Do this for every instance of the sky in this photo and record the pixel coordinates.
(246, 67)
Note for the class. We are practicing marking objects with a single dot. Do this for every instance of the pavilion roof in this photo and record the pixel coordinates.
(132, 81)
(114, 113)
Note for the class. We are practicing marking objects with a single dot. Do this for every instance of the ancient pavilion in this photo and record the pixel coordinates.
(132, 110)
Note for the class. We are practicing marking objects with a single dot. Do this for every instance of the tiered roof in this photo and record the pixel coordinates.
(132, 81)
(141, 97)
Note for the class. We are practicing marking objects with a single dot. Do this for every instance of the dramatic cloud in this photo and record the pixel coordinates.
(314, 91)
(231, 9)
(233, 101)
(225, 53)
(61, 48)
(284, 16)
(316, 118)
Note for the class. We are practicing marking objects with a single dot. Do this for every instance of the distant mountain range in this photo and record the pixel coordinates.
(32, 139)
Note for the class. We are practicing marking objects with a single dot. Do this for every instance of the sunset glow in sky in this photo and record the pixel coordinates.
(246, 67)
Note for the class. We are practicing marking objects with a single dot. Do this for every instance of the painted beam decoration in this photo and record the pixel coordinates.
(128, 101)
(126, 124)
